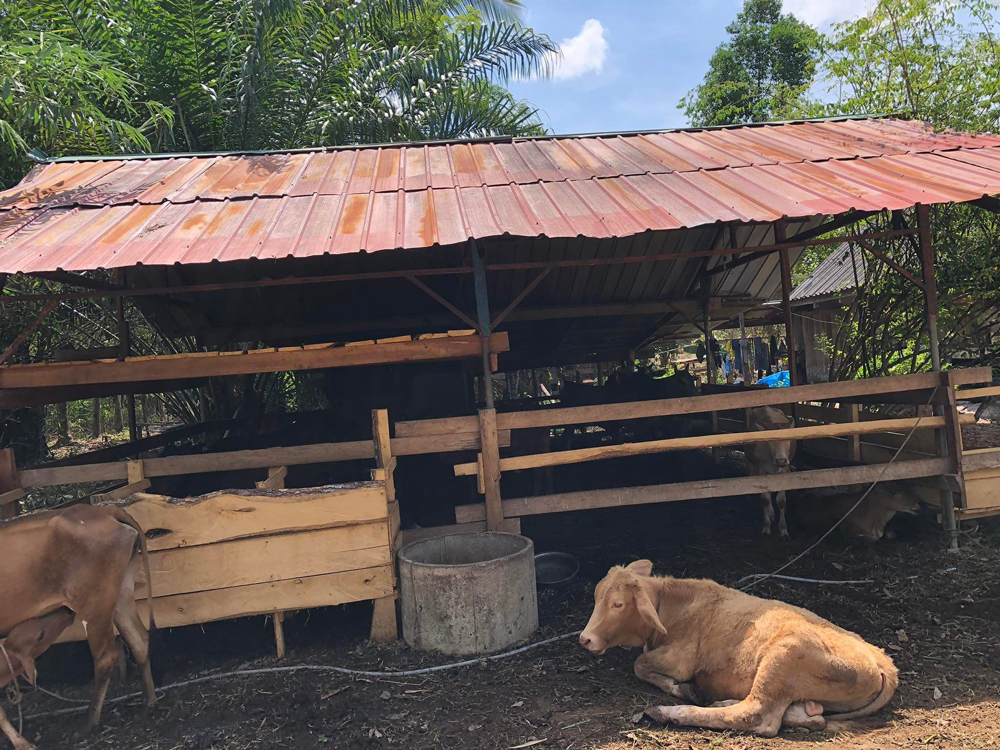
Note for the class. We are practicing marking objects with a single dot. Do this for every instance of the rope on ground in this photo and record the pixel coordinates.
(764, 576)
(308, 668)
(821, 581)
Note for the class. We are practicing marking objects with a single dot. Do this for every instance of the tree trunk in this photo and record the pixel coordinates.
(95, 422)
(62, 423)
(117, 403)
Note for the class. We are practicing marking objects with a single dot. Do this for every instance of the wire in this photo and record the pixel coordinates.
(814, 545)
(306, 668)
(802, 580)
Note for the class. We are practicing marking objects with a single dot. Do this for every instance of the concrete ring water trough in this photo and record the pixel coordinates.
(466, 594)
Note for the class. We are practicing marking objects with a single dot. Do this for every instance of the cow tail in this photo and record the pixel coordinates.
(122, 517)
(890, 680)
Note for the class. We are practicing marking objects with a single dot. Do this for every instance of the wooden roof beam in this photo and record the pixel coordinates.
(213, 364)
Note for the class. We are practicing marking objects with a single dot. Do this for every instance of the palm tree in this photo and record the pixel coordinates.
(105, 76)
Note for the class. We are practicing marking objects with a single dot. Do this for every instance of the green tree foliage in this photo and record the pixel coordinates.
(106, 76)
(761, 73)
(937, 61)
(933, 60)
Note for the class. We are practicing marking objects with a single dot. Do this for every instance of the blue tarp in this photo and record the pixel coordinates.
(778, 380)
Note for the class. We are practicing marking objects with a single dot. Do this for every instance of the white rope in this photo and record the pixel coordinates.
(15, 688)
(308, 668)
(803, 580)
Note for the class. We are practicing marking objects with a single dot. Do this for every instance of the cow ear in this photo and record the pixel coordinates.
(647, 612)
(642, 568)
(791, 422)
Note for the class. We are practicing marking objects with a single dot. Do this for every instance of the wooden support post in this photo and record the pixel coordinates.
(491, 468)
(135, 471)
(8, 485)
(942, 440)
(384, 627)
(275, 479)
(483, 313)
(744, 358)
(123, 352)
(706, 321)
(279, 633)
(854, 441)
(786, 303)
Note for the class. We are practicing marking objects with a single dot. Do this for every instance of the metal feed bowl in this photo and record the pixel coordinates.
(555, 568)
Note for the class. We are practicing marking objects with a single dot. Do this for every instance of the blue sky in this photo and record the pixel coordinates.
(627, 63)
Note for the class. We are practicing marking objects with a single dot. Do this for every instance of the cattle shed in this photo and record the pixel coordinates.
(490, 255)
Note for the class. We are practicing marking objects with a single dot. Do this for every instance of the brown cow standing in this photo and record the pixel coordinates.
(763, 663)
(26, 642)
(81, 558)
(771, 458)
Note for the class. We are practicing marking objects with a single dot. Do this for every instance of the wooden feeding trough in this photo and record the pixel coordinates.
(237, 553)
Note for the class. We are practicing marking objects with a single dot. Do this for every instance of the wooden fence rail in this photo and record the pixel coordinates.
(575, 415)
(581, 455)
(262, 458)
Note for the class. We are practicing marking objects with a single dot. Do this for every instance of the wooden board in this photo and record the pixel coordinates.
(261, 599)
(696, 404)
(262, 559)
(232, 515)
(264, 598)
(252, 459)
(559, 458)
(662, 493)
(837, 447)
(447, 443)
(213, 364)
(982, 489)
(977, 460)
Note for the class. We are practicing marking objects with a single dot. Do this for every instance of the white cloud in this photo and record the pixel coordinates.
(583, 53)
(823, 12)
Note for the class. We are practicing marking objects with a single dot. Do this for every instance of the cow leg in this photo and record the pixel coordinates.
(13, 735)
(768, 510)
(763, 710)
(779, 498)
(748, 715)
(101, 638)
(647, 670)
(136, 636)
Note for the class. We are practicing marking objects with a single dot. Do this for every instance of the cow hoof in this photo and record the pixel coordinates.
(785, 536)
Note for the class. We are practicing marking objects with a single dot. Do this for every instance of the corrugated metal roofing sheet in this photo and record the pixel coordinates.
(841, 270)
(117, 212)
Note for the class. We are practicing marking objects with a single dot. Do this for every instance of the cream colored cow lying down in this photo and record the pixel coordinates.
(760, 664)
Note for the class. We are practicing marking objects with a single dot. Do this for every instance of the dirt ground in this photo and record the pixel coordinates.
(938, 614)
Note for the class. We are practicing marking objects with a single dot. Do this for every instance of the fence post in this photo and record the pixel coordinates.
(384, 627)
(854, 441)
(489, 444)
(949, 444)
(8, 485)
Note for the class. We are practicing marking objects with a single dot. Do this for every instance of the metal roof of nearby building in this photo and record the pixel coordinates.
(842, 270)
(79, 215)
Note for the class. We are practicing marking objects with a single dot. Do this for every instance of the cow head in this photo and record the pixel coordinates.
(624, 614)
(777, 452)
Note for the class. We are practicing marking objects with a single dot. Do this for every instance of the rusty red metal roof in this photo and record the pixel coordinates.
(85, 214)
